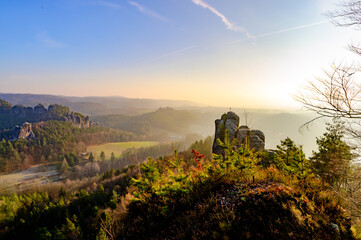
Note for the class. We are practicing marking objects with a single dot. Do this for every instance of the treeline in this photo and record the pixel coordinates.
(55, 139)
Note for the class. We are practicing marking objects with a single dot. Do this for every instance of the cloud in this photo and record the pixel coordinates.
(177, 52)
(228, 23)
(272, 33)
(148, 12)
(108, 4)
(48, 41)
(173, 53)
(290, 29)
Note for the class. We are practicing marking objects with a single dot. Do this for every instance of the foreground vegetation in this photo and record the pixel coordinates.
(241, 195)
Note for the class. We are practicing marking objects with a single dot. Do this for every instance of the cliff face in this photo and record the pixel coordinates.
(243, 134)
(21, 132)
(18, 115)
(15, 122)
(79, 120)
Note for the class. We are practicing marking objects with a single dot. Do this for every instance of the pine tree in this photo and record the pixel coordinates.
(102, 156)
(112, 157)
(91, 157)
(332, 162)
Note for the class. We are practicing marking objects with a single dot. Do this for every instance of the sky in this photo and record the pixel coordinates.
(234, 53)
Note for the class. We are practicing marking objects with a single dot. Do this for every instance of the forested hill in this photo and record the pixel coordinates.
(10, 116)
(162, 120)
(51, 135)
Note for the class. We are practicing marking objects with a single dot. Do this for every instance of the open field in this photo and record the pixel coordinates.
(19, 181)
(117, 148)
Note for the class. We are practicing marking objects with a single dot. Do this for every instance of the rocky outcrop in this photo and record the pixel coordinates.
(77, 119)
(256, 138)
(244, 135)
(10, 117)
(40, 110)
(21, 132)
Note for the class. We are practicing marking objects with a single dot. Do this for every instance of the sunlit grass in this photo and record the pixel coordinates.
(117, 148)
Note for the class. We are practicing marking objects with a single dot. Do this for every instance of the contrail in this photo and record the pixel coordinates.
(290, 29)
(271, 33)
(176, 52)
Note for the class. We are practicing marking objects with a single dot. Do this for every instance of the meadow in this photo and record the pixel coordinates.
(117, 148)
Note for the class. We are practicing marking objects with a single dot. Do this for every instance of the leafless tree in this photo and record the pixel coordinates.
(348, 15)
(338, 93)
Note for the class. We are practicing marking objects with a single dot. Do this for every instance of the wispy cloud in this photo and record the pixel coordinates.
(177, 52)
(148, 12)
(290, 29)
(108, 4)
(44, 38)
(262, 35)
(173, 53)
(228, 23)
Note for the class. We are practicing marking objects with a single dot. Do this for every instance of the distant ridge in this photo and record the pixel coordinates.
(96, 105)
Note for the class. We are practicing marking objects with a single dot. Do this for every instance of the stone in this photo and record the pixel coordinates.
(336, 230)
(255, 138)
(21, 132)
(243, 134)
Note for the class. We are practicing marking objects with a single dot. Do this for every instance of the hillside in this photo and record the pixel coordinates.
(236, 196)
(240, 192)
(163, 122)
(37, 135)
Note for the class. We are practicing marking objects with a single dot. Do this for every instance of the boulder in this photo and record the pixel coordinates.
(244, 135)
(255, 138)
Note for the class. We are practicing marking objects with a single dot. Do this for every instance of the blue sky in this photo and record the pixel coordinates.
(237, 53)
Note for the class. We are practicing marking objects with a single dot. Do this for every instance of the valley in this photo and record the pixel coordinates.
(180, 120)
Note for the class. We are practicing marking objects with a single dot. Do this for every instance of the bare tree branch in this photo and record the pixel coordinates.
(349, 15)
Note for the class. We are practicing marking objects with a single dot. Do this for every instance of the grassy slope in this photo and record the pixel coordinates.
(117, 148)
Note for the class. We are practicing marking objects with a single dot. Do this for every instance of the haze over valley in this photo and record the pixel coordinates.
(167, 120)
(192, 119)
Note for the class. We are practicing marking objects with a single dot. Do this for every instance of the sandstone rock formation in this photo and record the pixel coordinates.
(230, 121)
(18, 114)
(77, 120)
(15, 122)
(22, 132)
